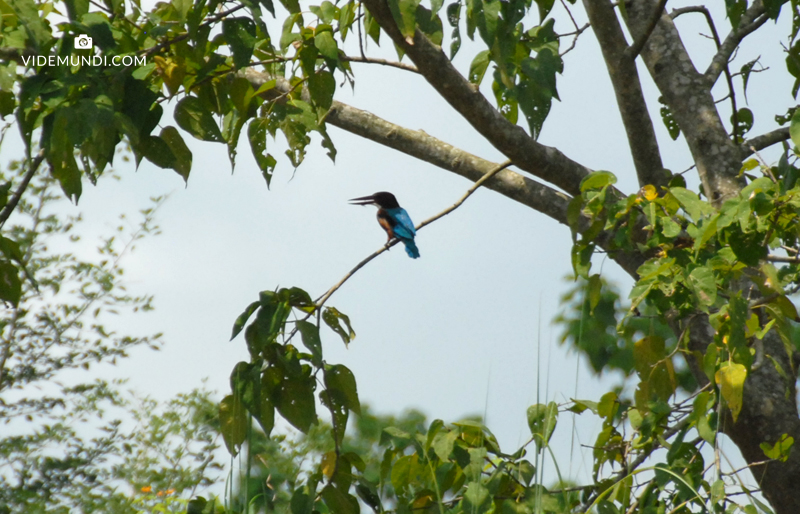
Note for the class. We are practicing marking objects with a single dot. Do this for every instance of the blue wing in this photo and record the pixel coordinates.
(403, 227)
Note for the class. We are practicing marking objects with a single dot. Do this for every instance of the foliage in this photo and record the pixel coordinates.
(696, 261)
(66, 447)
(594, 323)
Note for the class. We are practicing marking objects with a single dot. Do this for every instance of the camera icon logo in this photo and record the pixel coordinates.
(83, 42)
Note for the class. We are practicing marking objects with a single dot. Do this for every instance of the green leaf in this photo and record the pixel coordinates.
(691, 203)
(266, 413)
(443, 444)
(335, 403)
(257, 135)
(372, 28)
(294, 399)
(183, 156)
(404, 13)
(238, 325)
(731, 379)
(780, 450)
(477, 499)
(593, 291)
(10, 284)
(311, 340)
(61, 153)
(578, 406)
(8, 103)
(794, 128)
(293, 6)
(322, 85)
(339, 378)
(544, 8)
(326, 45)
(405, 472)
(234, 421)
(597, 180)
(478, 67)
(195, 119)
(744, 120)
(773, 8)
(542, 422)
(334, 319)
(704, 285)
(735, 10)
(338, 501)
(240, 34)
(157, 151)
(672, 126)
(430, 24)
(302, 502)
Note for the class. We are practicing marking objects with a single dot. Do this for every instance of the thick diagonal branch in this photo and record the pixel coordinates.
(542, 161)
(752, 19)
(417, 143)
(628, 90)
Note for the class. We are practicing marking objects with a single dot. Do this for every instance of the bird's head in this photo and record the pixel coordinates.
(381, 199)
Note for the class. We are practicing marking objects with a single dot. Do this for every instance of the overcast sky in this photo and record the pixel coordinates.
(463, 330)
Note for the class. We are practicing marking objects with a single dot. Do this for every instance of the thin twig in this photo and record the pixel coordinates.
(748, 466)
(783, 258)
(577, 33)
(633, 50)
(384, 62)
(360, 37)
(324, 298)
(12, 203)
(765, 169)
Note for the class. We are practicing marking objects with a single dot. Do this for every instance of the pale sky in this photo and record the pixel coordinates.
(459, 331)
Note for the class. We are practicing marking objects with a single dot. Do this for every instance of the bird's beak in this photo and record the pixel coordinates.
(364, 200)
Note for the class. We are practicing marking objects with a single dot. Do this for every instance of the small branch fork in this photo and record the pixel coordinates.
(324, 298)
(728, 77)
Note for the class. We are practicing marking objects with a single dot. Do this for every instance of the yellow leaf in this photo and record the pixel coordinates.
(172, 74)
(649, 192)
(328, 464)
(731, 381)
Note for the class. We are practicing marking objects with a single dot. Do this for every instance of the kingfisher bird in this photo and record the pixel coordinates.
(393, 218)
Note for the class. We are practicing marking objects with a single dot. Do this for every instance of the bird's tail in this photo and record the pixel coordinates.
(411, 248)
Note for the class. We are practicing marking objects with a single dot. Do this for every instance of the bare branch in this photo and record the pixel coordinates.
(628, 90)
(753, 18)
(765, 140)
(633, 51)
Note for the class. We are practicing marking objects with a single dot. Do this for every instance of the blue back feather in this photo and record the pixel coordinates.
(404, 230)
